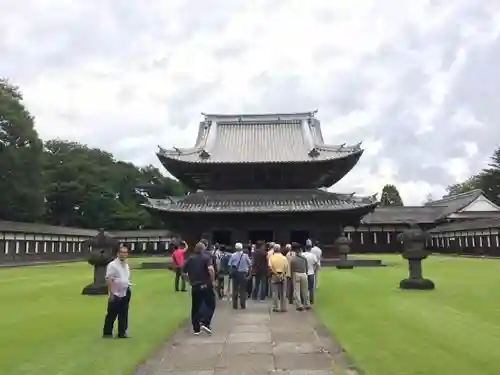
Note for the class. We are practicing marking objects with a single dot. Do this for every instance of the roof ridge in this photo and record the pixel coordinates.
(306, 114)
(456, 196)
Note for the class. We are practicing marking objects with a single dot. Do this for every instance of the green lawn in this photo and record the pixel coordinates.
(454, 329)
(47, 327)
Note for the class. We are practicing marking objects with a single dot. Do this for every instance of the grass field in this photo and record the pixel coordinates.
(386, 331)
(47, 327)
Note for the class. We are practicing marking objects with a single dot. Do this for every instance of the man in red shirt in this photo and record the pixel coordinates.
(178, 263)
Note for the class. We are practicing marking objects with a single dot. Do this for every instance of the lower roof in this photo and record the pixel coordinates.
(402, 215)
(488, 223)
(262, 201)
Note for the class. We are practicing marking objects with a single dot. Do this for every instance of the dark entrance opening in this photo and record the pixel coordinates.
(223, 237)
(299, 236)
(260, 235)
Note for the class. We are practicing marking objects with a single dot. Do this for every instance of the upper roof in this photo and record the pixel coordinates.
(260, 138)
(260, 201)
(478, 224)
(462, 202)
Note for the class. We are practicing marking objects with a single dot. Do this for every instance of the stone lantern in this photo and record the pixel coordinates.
(103, 249)
(414, 251)
(343, 245)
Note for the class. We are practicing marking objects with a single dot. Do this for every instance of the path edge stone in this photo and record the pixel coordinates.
(343, 362)
(148, 364)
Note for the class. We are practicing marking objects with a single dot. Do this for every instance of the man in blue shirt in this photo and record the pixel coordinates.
(240, 269)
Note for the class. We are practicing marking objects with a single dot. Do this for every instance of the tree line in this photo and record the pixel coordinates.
(59, 182)
(488, 180)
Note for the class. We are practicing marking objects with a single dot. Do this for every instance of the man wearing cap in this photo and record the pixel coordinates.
(239, 265)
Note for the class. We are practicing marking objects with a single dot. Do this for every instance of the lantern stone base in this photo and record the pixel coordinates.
(345, 266)
(95, 290)
(417, 284)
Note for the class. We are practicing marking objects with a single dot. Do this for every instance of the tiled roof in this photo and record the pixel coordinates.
(260, 139)
(262, 201)
(402, 215)
(489, 223)
(11, 226)
(33, 228)
(145, 233)
(454, 203)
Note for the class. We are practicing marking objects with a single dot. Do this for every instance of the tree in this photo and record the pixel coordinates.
(88, 188)
(472, 183)
(158, 186)
(78, 188)
(490, 179)
(21, 184)
(391, 196)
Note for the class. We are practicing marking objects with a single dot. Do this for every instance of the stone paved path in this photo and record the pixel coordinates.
(251, 342)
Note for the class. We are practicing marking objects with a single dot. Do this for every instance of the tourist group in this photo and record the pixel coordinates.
(288, 274)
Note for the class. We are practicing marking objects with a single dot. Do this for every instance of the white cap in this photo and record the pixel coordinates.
(238, 246)
(288, 246)
(277, 246)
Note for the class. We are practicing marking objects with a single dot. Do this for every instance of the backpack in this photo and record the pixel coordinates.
(224, 263)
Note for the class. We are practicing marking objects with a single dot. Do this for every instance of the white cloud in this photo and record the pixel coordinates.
(396, 75)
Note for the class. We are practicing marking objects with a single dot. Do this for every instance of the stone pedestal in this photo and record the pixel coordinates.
(103, 250)
(414, 251)
(99, 285)
(343, 246)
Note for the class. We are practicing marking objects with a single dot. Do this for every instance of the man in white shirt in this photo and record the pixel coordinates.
(316, 250)
(118, 278)
(312, 266)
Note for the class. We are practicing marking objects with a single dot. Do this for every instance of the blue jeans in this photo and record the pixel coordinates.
(310, 286)
(202, 306)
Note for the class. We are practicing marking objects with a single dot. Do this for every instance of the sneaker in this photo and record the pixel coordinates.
(206, 329)
(196, 333)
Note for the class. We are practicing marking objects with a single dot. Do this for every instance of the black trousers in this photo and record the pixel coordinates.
(117, 308)
(202, 306)
(179, 279)
(239, 291)
(289, 290)
(260, 286)
(249, 287)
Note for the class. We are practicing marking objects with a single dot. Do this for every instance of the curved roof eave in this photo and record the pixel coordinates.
(178, 158)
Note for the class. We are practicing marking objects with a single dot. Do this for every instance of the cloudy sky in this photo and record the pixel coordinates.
(417, 81)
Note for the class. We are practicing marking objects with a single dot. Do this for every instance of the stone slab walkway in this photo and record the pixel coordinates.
(254, 341)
